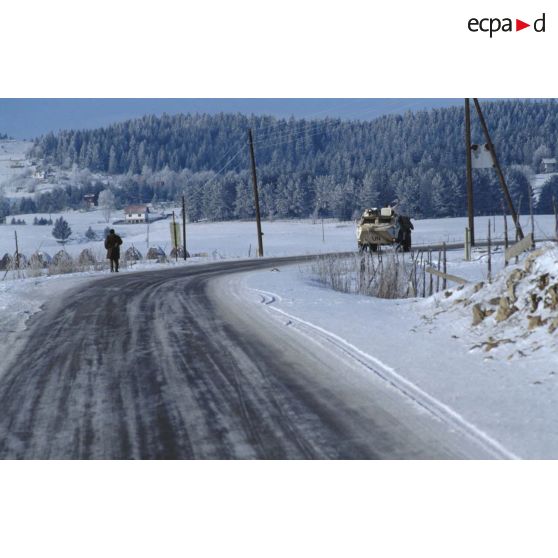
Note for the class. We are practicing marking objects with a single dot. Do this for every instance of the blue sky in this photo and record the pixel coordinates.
(29, 118)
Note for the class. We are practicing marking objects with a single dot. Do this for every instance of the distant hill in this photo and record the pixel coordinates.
(326, 166)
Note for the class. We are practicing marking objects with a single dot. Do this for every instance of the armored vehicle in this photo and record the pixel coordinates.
(383, 227)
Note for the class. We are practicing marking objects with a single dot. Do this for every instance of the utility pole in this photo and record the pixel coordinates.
(499, 171)
(175, 238)
(184, 225)
(470, 209)
(256, 197)
(322, 216)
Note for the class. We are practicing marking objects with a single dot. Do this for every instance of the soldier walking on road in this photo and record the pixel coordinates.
(112, 244)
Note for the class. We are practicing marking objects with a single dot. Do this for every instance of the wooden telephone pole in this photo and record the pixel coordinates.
(499, 171)
(256, 196)
(470, 206)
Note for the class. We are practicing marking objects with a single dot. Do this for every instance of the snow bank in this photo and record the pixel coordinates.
(516, 314)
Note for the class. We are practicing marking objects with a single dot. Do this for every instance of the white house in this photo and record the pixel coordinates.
(136, 214)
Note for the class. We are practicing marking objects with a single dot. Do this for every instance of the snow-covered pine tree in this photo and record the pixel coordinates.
(61, 230)
(549, 196)
(90, 234)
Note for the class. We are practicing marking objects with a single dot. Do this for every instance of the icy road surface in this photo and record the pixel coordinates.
(171, 364)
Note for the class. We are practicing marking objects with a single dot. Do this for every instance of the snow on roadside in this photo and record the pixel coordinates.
(512, 402)
(22, 298)
(515, 315)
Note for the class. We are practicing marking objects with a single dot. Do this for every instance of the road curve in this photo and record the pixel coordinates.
(163, 365)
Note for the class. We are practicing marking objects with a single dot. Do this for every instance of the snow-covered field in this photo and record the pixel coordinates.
(238, 239)
(12, 158)
(426, 348)
(219, 240)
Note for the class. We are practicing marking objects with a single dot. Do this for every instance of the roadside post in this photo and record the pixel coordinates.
(444, 282)
(175, 236)
(16, 252)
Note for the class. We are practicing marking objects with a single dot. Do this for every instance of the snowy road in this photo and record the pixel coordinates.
(169, 364)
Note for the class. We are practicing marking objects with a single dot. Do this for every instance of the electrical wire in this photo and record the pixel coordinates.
(322, 125)
(286, 137)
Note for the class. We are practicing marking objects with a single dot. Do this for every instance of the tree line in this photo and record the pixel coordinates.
(325, 167)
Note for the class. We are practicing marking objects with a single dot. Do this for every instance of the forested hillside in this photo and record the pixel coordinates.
(332, 167)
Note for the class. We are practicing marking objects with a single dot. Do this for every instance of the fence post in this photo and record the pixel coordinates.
(444, 282)
(431, 289)
(437, 276)
(489, 255)
(424, 280)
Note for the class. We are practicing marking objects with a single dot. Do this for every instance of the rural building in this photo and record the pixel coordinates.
(89, 200)
(136, 214)
(43, 173)
(549, 165)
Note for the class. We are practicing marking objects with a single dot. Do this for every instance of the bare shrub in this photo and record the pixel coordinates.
(38, 263)
(86, 258)
(389, 275)
(6, 262)
(61, 257)
(40, 260)
(23, 261)
(156, 254)
(62, 262)
(133, 254)
(180, 252)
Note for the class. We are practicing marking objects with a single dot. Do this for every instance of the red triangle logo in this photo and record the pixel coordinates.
(519, 25)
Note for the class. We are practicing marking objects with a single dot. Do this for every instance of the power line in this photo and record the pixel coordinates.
(326, 122)
(282, 138)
